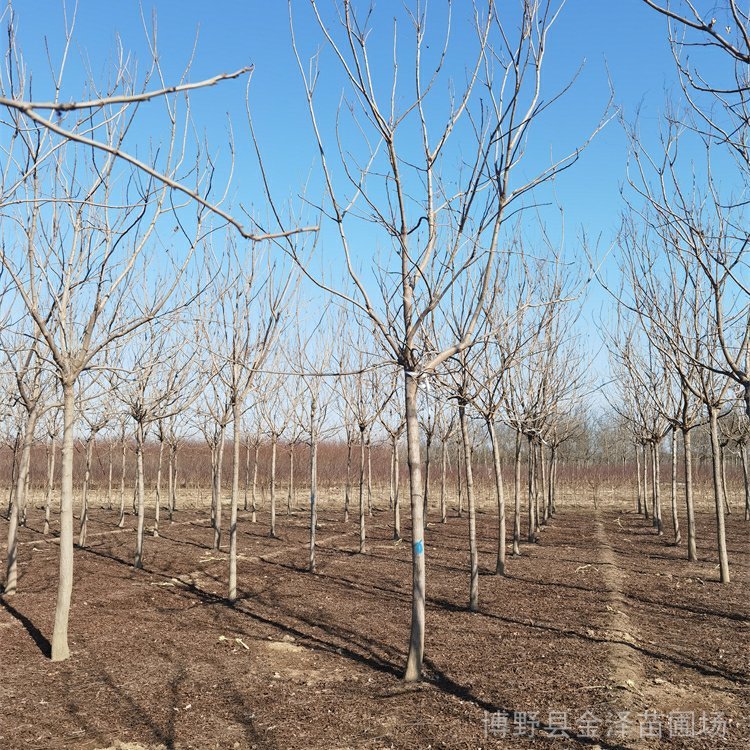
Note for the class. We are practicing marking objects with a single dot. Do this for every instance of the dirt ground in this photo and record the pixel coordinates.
(600, 636)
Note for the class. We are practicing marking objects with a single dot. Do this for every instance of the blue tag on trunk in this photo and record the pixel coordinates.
(418, 547)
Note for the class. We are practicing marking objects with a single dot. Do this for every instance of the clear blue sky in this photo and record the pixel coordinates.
(620, 38)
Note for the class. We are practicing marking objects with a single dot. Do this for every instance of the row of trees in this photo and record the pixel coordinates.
(115, 254)
(680, 353)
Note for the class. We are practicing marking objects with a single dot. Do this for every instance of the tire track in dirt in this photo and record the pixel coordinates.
(50, 539)
(627, 667)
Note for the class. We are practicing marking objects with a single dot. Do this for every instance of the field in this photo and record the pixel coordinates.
(601, 617)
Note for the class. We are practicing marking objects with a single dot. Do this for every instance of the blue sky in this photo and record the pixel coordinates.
(619, 39)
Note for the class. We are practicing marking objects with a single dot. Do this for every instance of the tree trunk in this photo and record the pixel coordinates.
(121, 521)
(531, 506)
(60, 650)
(473, 551)
(173, 499)
(688, 453)
(85, 494)
(50, 485)
(290, 494)
(459, 478)
(552, 480)
(517, 499)
(217, 487)
(236, 437)
(109, 476)
(247, 477)
(745, 479)
(396, 491)
(313, 481)
(14, 473)
(254, 496)
(443, 467)
(369, 474)
(361, 488)
(348, 485)
(391, 480)
(427, 474)
(11, 578)
(537, 452)
(675, 519)
(543, 475)
(170, 481)
(157, 512)
(656, 469)
(417, 632)
(141, 493)
(645, 482)
(638, 506)
(500, 496)
(722, 456)
(274, 440)
(713, 421)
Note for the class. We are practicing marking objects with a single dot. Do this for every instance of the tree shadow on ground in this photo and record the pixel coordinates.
(44, 645)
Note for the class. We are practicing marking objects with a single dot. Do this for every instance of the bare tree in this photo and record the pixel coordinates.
(445, 228)
(153, 389)
(31, 392)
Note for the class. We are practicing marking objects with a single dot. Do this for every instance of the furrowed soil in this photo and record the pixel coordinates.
(601, 635)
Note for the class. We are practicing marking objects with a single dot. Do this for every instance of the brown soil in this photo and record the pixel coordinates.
(600, 617)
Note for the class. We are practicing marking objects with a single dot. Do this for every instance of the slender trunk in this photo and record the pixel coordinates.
(173, 499)
(553, 481)
(427, 474)
(83, 530)
(369, 475)
(247, 476)
(656, 467)
(109, 476)
(645, 482)
(688, 453)
(459, 479)
(60, 650)
(391, 480)
(348, 485)
(473, 551)
(236, 437)
(517, 499)
(11, 578)
(417, 631)
(722, 456)
(443, 468)
(675, 519)
(121, 521)
(159, 464)
(254, 496)
(721, 539)
(396, 491)
(170, 482)
(217, 487)
(141, 494)
(14, 473)
(274, 440)
(290, 494)
(361, 488)
(500, 496)
(638, 507)
(531, 507)
(537, 461)
(543, 474)
(50, 485)
(313, 481)
(745, 479)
